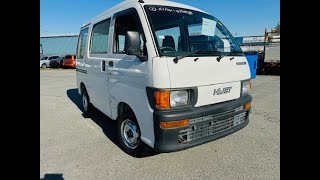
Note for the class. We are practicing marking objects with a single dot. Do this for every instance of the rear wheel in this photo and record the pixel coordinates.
(44, 65)
(129, 134)
(87, 106)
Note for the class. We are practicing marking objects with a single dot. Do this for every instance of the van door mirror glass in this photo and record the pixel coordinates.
(132, 43)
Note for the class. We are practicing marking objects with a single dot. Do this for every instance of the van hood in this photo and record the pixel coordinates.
(204, 71)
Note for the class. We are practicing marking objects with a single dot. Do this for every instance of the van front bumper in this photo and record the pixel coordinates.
(207, 123)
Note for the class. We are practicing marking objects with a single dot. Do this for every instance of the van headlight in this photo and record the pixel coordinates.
(179, 98)
(246, 87)
(172, 99)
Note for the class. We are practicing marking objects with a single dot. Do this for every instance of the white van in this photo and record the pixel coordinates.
(171, 75)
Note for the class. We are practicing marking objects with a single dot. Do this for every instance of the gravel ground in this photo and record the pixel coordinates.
(73, 146)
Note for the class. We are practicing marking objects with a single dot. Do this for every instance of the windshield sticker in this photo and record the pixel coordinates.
(226, 45)
(208, 27)
(167, 9)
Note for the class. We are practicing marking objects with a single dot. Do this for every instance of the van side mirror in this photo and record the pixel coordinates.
(132, 44)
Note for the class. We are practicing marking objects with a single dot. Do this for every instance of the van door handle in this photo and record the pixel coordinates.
(111, 63)
(103, 66)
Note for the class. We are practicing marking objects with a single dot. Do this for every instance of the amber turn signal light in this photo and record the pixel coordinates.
(174, 124)
(247, 106)
(162, 99)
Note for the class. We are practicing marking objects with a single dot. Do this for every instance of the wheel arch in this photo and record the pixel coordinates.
(82, 87)
(124, 108)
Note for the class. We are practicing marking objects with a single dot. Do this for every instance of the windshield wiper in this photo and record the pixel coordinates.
(237, 52)
(209, 52)
(176, 59)
(221, 54)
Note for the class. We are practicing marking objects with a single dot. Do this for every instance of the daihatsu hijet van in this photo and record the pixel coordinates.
(170, 75)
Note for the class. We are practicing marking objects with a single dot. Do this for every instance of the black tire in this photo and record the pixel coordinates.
(134, 149)
(87, 106)
(44, 65)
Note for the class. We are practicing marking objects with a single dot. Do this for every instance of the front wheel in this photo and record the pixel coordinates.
(129, 135)
(43, 66)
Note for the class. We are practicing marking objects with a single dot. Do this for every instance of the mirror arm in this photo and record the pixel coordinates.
(142, 58)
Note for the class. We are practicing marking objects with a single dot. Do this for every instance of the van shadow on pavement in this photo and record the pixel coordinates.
(52, 177)
(107, 125)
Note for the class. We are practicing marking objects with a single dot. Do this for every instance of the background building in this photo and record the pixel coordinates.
(251, 43)
(58, 44)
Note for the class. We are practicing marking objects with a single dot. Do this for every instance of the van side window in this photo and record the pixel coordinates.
(121, 41)
(82, 43)
(123, 24)
(100, 37)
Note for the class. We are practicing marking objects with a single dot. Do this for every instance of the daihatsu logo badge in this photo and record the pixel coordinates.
(220, 91)
(152, 9)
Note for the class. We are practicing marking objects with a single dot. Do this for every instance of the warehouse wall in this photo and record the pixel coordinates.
(59, 45)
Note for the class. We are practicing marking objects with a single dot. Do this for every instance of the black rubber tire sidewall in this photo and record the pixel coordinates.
(89, 109)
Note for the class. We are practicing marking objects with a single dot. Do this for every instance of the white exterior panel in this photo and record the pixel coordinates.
(207, 71)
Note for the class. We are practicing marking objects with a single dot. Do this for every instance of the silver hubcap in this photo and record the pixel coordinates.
(85, 102)
(130, 134)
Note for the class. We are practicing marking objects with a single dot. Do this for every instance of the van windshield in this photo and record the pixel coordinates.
(179, 31)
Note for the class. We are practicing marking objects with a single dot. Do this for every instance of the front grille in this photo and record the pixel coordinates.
(203, 127)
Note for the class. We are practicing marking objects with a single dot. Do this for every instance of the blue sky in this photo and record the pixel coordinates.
(241, 17)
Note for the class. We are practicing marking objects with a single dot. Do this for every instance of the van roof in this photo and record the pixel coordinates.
(146, 2)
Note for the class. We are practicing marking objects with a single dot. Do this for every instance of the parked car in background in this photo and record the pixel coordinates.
(45, 61)
(69, 61)
(56, 63)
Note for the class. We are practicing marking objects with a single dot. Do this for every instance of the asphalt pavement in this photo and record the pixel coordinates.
(76, 147)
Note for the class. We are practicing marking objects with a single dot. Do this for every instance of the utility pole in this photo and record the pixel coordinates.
(264, 49)
(41, 48)
(265, 40)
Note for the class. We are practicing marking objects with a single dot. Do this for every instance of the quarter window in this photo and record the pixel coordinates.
(82, 43)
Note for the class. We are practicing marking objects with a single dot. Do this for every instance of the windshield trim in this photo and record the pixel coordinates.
(155, 40)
